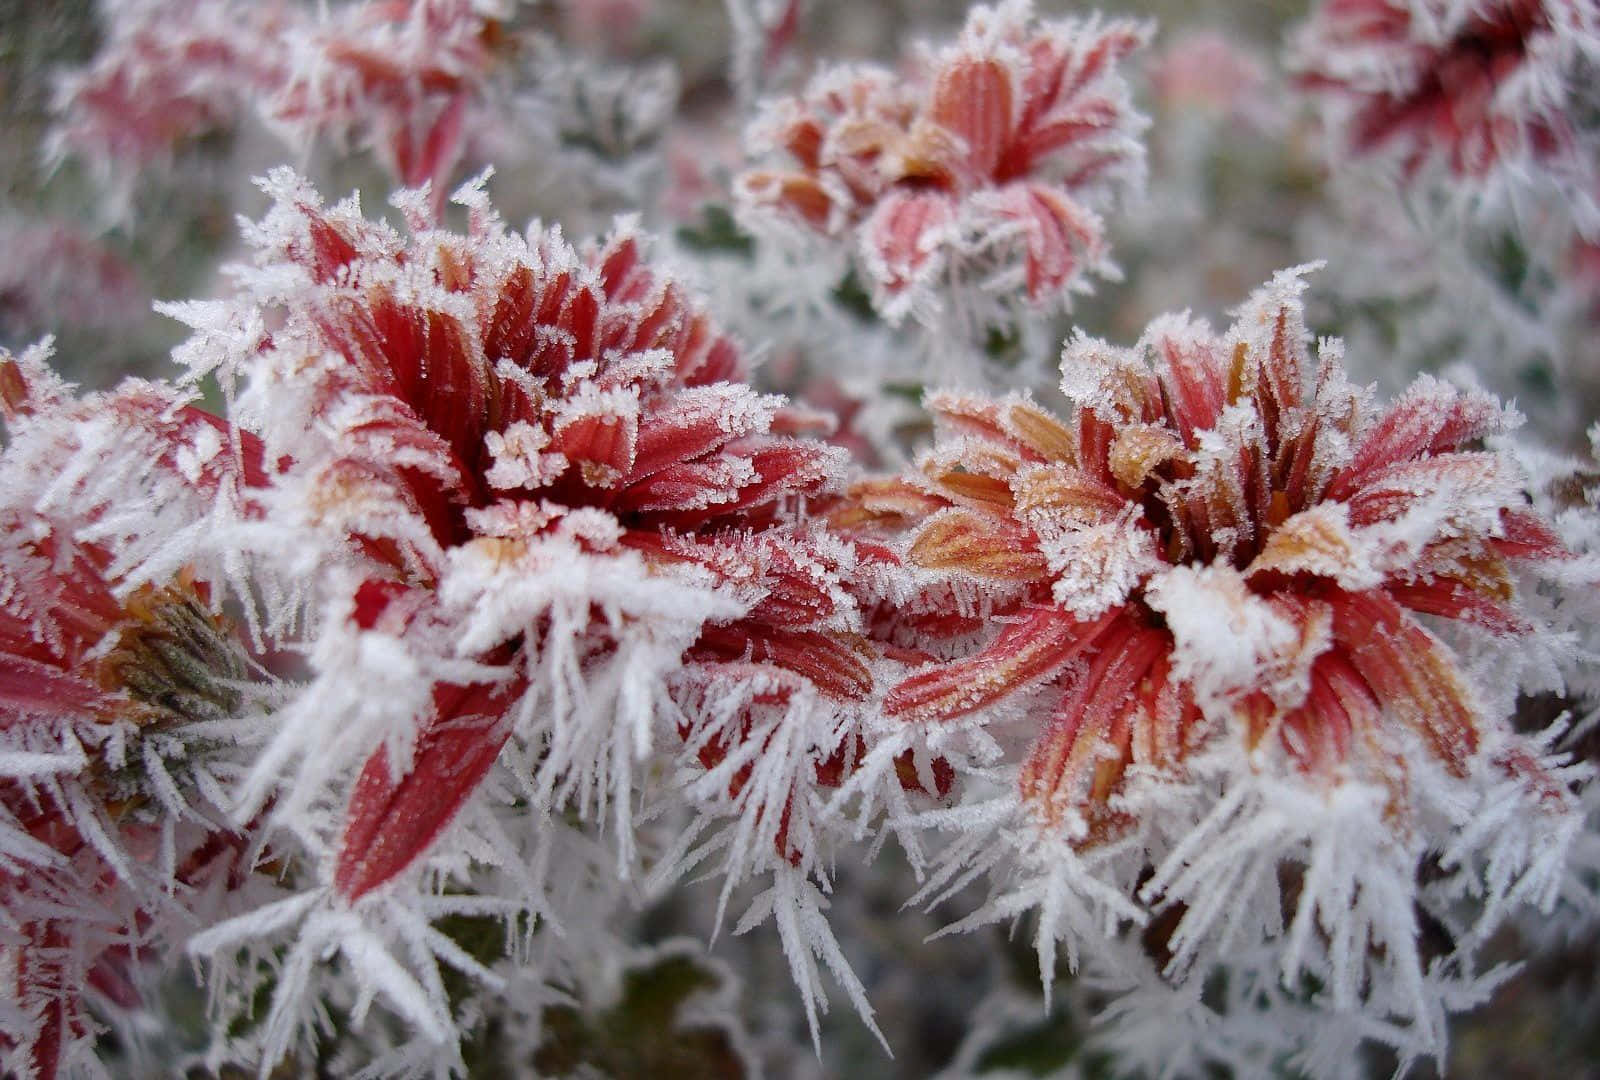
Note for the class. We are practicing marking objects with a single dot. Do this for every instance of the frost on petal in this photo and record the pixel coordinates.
(392, 821)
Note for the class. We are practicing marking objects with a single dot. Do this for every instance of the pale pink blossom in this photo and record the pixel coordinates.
(981, 167)
(169, 72)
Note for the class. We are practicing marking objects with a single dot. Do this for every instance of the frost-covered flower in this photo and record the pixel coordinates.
(971, 180)
(405, 78)
(120, 685)
(1491, 94)
(411, 80)
(517, 448)
(57, 277)
(1225, 589)
(169, 71)
(536, 500)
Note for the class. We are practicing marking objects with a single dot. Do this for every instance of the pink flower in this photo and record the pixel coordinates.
(1482, 90)
(57, 277)
(170, 71)
(1206, 70)
(985, 162)
(406, 78)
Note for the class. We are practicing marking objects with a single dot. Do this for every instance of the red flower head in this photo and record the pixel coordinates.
(1209, 548)
(985, 165)
(1240, 620)
(544, 484)
(404, 77)
(1483, 90)
(408, 79)
(169, 71)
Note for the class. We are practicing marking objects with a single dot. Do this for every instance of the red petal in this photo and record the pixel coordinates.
(391, 823)
(1453, 599)
(1339, 705)
(1080, 757)
(900, 236)
(827, 662)
(1430, 418)
(1525, 535)
(1056, 229)
(974, 99)
(1410, 673)
(1028, 652)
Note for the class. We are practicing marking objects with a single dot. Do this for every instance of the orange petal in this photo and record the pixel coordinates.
(1141, 449)
(979, 545)
(1079, 759)
(1028, 652)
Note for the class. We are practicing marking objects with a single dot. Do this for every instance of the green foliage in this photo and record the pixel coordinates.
(650, 1031)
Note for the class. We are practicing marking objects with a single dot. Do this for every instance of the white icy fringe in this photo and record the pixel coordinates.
(552, 890)
(1294, 921)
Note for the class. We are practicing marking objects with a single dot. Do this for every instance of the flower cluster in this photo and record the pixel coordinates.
(171, 71)
(486, 616)
(419, 83)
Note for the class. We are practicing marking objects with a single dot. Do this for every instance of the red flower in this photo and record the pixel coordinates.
(1481, 89)
(1208, 546)
(401, 76)
(505, 427)
(987, 161)
(170, 71)
(91, 666)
